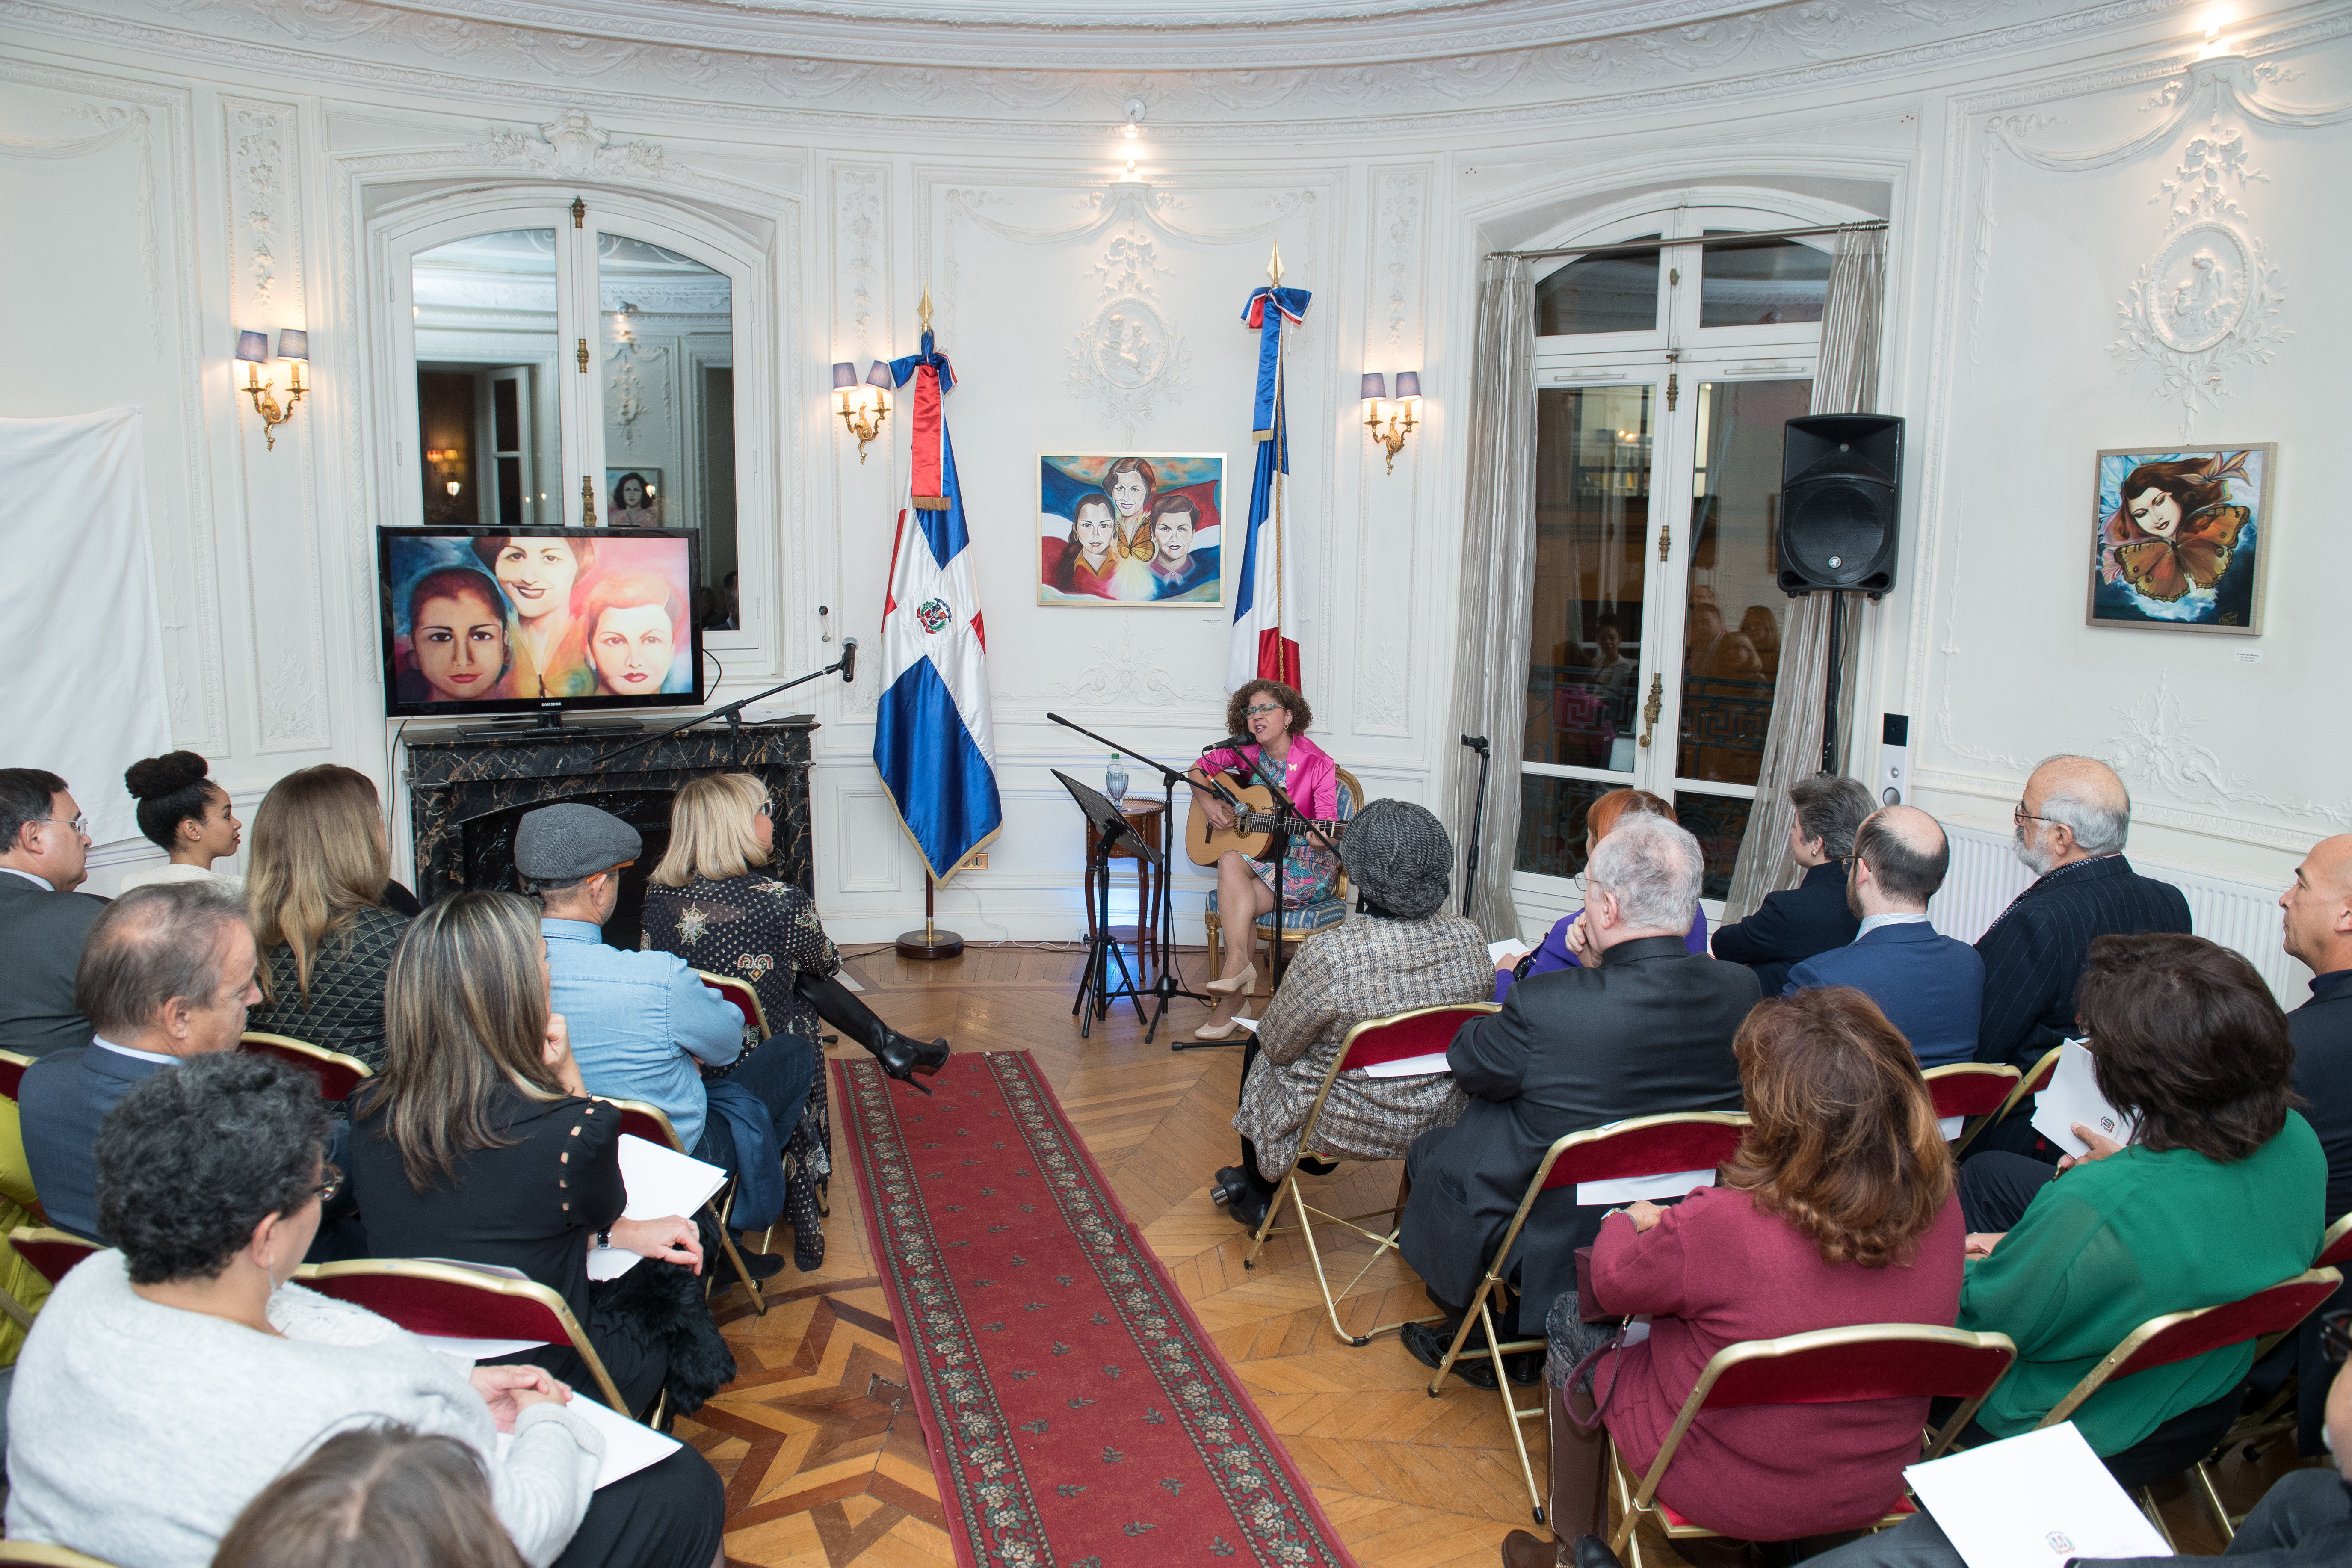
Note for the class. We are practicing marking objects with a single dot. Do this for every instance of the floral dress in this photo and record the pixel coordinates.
(766, 932)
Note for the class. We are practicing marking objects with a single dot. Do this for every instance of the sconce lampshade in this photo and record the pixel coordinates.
(880, 377)
(292, 344)
(253, 347)
(845, 374)
(1376, 386)
(1407, 383)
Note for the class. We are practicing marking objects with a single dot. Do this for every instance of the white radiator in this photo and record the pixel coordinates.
(1985, 873)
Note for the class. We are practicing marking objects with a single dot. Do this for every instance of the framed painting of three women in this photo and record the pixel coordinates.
(1129, 528)
(2179, 539)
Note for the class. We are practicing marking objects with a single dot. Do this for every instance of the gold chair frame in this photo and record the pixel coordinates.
(1290, 1192)
(2257, 1429)
(720, 1205)
(13, 1065)
(1976, 1070)
(319, 1054)
(735, 989)
(489, 1284)
(1263, 936)
(2033, 1082)
(36, 1554)
(1493, 1281)
(1634, 1502)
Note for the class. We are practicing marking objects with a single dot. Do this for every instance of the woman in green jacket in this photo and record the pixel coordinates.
(2218, 1194)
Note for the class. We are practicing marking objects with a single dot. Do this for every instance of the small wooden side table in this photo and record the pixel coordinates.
(1149, 820)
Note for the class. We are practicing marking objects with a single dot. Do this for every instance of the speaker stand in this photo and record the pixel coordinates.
(1830, 696)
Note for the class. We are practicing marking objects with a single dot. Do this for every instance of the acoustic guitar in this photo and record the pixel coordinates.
(1255, 826)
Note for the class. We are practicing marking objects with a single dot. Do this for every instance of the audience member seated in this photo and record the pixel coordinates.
(2303, 1521)
(1563, 947)
(2218, 1194)
(167, 974)
(167, 1383)
(1816, 915)
(1838, 1210)
(1401, 952)
(44, 846)
(2070, 826)
(187, 815)
(709, 904)
(477, 1141)
(1929, 985)
(379, 1497)
(646, 1026)
(2318, 932)
(319, 857)
(1645, 1030)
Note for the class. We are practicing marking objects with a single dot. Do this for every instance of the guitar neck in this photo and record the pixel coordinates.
(1275, 822)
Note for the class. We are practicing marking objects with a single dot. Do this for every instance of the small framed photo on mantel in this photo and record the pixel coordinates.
(2180, 536)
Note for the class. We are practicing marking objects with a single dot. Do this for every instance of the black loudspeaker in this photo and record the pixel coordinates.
(1841, 494)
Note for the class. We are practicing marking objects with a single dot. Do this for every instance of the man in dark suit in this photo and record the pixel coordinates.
(1929, 987)
(44, 853)
(2070, 826)
(2317, 928)
(168, 972)
(1646, 1030)
(1813, 917)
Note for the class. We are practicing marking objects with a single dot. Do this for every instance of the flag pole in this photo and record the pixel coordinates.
(930, 941)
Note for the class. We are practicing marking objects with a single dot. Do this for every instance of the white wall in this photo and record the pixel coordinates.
(260, 139)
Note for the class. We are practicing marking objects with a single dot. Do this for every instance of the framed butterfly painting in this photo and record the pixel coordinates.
(2177, 544)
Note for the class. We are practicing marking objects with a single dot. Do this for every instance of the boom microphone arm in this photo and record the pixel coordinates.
(901, 1056)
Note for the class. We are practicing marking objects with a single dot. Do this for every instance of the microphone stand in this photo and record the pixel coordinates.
(1477, 814)
(1165, 987)
(732, 713)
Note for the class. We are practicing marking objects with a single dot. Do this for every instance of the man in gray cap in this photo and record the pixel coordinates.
(643, 1023)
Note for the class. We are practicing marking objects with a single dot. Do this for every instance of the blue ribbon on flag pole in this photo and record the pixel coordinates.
(1290, 302)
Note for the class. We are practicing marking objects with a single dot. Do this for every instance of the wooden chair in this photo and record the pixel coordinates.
(1641, 1146)
(2178, 1337)
(1297, 925)
(337, 1074)
(1828, 1366)
(1369, 1044)
(1976, 1089)
(34, 1555)
(746, 1000)
(652, 1124)
(52, 1252)
(455, 1303)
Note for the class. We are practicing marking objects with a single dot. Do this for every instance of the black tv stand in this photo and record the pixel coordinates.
(548, 722)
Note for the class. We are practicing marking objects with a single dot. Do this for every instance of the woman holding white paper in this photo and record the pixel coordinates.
(477, 1141)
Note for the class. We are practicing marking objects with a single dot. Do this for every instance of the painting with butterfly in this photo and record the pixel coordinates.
(2179, 537)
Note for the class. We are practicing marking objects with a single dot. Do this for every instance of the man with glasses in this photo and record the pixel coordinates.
(44, 846)
(2070, 826)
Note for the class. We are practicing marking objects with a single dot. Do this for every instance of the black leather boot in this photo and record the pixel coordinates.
(901, 1056)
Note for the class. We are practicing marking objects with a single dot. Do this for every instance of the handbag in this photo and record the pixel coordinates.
(1614, 1345)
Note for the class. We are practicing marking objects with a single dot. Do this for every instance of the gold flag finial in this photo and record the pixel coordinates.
(1274, 268)
(923, 310)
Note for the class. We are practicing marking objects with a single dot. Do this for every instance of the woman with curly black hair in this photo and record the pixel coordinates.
(187, 815)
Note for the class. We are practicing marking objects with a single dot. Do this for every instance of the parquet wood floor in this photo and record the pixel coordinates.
(822, 1473)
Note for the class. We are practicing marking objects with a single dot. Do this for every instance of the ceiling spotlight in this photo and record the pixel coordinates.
(1134, 126)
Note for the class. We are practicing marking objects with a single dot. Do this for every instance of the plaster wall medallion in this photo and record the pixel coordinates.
(1130, 360)
(2198, 285)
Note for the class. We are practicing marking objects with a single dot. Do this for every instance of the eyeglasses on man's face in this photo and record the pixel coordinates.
(2019, 814)
(331, 1181)
(1262, 708)
(79, 824)
(767, 809)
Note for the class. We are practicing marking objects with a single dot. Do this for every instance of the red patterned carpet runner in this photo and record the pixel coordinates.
(1077, 1414)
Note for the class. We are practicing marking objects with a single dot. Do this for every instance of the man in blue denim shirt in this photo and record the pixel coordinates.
(643, 1025)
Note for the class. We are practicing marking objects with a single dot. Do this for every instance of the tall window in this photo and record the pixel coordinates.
(572, 367)
(1664, 375)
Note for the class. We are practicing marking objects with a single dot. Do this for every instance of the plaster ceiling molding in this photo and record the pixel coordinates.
(1124, 669)
(2156, 744)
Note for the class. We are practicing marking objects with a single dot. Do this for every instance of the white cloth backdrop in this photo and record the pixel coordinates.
(83, 647)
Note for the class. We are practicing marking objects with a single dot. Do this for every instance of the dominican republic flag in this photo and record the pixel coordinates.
(1262, 607)
(934, 743)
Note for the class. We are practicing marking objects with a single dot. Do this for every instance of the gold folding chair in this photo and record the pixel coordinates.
(52, 1252)
(1641, 1146)
(1868, 1361)
(12, 1075)
(337, 1074)
(652, 1124)
(740, 993)
(34, 1555)
(1979, 1090)
(17, 1177)
(2030, 1083)
(2276, 1416)
(1421, 1032)
(453, 1302)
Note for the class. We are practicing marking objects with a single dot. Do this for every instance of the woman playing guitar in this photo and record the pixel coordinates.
(1276, 718)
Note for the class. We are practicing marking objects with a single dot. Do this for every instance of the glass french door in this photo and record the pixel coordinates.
(1663, 379)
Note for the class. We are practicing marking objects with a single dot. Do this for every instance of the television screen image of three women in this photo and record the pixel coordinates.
(474, 621)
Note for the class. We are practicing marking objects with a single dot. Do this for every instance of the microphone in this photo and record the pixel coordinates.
(1065, 723)
(1475, 743)
(848, 660)
(1230, 743)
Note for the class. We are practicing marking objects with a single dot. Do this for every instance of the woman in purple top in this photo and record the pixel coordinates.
(1562, 946)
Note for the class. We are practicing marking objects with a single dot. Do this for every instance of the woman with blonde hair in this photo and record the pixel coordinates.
(711, 901)
(1563, 946)
(316, 888)
(1839, 1209)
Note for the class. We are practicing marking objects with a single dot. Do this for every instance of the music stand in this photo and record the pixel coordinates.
(1111, 825)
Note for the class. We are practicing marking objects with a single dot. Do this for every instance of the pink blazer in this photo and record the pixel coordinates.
(1309, 775)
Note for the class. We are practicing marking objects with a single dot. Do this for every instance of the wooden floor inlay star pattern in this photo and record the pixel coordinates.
(822, 1472)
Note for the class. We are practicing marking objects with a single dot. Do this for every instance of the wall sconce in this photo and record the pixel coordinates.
(1402, 418)
(862, 410)
(252, 349)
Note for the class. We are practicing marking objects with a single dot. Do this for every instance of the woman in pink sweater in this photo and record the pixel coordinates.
(1839, 1209)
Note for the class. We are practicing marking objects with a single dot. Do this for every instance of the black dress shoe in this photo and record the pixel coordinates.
(1314, 1167)
(761, 1267)
(1248, 1206)
(1428, 1347)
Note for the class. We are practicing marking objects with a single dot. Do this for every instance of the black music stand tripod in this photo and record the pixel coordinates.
(1095, 992)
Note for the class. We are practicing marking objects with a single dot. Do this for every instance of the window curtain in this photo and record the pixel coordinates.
(1490, 662)
(1846, 383)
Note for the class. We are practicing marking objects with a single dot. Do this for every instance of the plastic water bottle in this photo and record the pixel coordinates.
(1115, 782)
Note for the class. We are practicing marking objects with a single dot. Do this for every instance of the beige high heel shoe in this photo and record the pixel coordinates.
(1223, 1032)
(1232, 983)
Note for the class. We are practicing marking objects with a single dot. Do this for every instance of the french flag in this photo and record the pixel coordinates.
(1263, 606)
(934, 741)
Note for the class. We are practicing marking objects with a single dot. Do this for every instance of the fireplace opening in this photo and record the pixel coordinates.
(488, 850)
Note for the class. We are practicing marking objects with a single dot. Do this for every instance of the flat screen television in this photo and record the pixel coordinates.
(543, 620)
